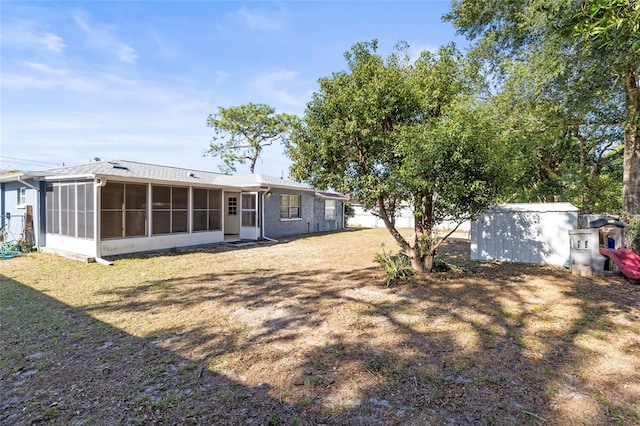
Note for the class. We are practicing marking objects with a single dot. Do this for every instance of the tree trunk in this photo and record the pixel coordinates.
(390, 225)
(422, 264)
(631, 173)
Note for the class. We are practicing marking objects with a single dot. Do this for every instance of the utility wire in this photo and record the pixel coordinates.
(26, 161)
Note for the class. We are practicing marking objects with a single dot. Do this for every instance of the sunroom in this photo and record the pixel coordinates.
(101, 217)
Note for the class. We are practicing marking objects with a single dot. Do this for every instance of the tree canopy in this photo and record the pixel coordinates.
(242, 132)
(584, 56)
(389, 131)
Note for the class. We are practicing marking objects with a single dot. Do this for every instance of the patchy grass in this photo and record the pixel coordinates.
(305, 332)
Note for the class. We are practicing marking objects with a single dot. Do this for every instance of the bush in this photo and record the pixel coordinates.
(396, 266)
(349, 212)
(440, 263)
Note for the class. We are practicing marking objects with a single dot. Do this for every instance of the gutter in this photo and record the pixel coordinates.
(264, 192)
(100, 183)
(36, 208)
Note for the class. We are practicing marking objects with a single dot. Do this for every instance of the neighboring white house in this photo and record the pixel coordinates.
(524, 233)
(405, 219)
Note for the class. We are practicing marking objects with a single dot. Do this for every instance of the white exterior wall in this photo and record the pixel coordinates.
(79, 246)
(366, 219)
(524, 233)
(157, 242)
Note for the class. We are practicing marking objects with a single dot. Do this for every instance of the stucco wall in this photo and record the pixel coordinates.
(312, 215)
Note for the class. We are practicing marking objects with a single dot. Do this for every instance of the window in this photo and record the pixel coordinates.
(249, 210)
(22, 197)
(123, 210)
(290, 207)
(170, 209)
(69, 209)
(329, 209)
(232, 206)
(207, 210)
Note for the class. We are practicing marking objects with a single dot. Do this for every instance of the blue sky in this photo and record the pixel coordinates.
(137, 80)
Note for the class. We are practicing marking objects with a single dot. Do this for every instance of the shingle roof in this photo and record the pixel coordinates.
(141, 171)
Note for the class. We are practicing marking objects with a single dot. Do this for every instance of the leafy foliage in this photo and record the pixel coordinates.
(389, 131)
(396, 266)
(243, 131)
(349, 212)
(582, 59)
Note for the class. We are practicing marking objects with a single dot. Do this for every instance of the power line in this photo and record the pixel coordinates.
(27, 161)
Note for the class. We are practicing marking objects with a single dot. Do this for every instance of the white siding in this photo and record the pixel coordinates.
(524, 233)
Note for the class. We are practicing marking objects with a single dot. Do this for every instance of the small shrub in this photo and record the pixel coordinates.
(440, 263)
(396, 266)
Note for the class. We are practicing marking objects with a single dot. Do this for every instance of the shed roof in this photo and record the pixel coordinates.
(534, 207)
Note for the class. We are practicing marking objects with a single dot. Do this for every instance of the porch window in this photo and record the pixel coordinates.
(329, 209)
(69, 208)
(124, 210)
(290, 207)
(249, 210)
(170, 209)
(207, 210)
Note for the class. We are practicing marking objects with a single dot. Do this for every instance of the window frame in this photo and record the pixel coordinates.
(22, 198)
(333, 210)
(126, 213)
(75, 218)
(211, 209)
(170, 209)
(289, 207)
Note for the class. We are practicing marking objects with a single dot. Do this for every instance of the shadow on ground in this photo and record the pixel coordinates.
(492, 344)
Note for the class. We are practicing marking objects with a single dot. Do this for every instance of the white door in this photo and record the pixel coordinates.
(249, 220)
(231, 213)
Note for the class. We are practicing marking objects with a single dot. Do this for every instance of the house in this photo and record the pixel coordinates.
(19, 196)
(403, 219)
(117, 207)
(535, 233)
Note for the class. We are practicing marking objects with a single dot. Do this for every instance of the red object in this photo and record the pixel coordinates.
(627, 261)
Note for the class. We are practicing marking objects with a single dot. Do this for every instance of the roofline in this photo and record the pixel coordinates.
(15, 177)
(332, 196)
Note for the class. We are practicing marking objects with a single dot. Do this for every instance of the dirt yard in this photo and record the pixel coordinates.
(304, 333)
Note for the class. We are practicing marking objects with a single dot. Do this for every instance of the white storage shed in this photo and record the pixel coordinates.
(524, 233)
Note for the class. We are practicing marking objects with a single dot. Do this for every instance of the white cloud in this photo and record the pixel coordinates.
(27, 34)
(221, 76)
(102, 37)
(260, 22)
(43, 68)
(276, 85)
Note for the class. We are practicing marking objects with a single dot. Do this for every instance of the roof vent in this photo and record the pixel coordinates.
(117, 165)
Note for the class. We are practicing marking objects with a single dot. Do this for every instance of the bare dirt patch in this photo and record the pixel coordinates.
(304, 332)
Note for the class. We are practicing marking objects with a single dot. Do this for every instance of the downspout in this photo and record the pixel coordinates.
(36, 209)
(262, 218)
(100, 183)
